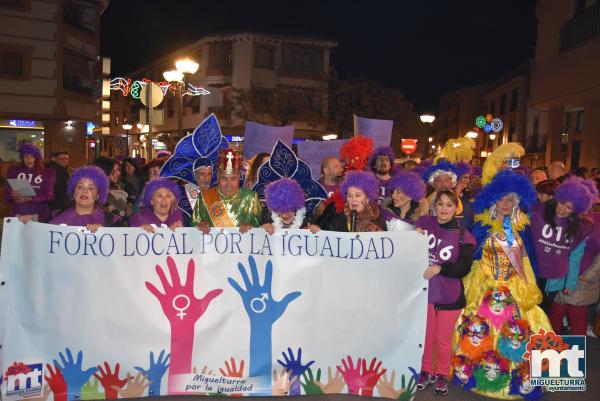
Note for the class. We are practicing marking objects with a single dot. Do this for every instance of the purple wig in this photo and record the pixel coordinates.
(589, 184)
(382, 151)
(463, 168)
(94, 174)
(29, 149)
(409, 183)
(163, 153)
(576, 193)
(426, 163)
(284, 195)
(364, 180)
(420, 170)
(477, 171)
(152, 186)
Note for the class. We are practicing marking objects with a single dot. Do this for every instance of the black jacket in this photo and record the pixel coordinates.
(331, 220)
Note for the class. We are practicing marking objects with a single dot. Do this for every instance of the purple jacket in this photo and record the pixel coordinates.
(148, 217)
(70, 218)
(43, 185)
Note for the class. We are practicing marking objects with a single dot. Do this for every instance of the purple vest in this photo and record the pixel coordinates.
(552, 249)
(43, 185)
(443, 244)
(148, 217)
(330, 188)
(70, 218)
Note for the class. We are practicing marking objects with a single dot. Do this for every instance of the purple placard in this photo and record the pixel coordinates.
(313, 152)
(378, 130)
(261, 138)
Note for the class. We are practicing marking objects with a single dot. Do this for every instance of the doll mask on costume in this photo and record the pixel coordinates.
(521, 383)
(512, 342)
(491, 372)
(462, 372)
(497, 306)
(475, 336)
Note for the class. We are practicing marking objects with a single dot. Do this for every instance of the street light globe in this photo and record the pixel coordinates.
(492, 136)
(173, 76)
(430, 139)
(127, 126)
(472, 134)
(139, 125)
(186, 66)
(427, 118)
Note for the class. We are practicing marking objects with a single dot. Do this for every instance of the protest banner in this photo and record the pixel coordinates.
(378, 130)
(261, 138)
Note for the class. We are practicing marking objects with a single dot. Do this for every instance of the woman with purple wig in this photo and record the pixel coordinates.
(31, 169)
(88, 186)
(558, 228)
(160, 197)
(285, 206)
(358, 210)
(406, 198)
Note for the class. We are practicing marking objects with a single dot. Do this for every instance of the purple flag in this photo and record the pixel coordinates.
(261, 138)
(313, 152)
(378, 130)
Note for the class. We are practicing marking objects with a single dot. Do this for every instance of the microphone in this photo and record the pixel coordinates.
(353, 220)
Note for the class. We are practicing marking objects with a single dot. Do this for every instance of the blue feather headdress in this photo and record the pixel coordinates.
(504, 183)
(436, 169)
(284, 163)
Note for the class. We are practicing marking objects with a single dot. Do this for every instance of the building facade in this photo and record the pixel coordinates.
(48, 57)
(565, 81)
(271, 79)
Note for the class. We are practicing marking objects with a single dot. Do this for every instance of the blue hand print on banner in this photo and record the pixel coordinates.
(155, 372)
(74, 375)
(201, 148)
(262, 311)
(295, 367)
(284, 163)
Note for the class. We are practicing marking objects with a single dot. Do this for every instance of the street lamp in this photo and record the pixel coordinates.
(428, 119)
(177, 78)
(127, 127)
(472, 134)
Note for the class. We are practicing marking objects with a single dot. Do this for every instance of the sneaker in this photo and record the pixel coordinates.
(425, 379)
(441, 385)
(590, 331)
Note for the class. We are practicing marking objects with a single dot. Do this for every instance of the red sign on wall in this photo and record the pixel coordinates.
(409, 146)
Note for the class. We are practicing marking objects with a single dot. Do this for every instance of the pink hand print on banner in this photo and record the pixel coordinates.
(359, 377)
(183, 310)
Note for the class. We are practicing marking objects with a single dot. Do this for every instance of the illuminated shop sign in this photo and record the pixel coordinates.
(22, 123)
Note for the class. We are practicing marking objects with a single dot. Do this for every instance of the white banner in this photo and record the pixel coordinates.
(124, 313)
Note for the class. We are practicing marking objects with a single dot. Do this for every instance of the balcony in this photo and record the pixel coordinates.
(221, 112)
(580, 28)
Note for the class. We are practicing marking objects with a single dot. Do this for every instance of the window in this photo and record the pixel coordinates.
(15, 62)
(219, 55)
(21, 5)
(170, 107)
(514, 99)
(80, 14)
(493, 107)
(502, 104)
(302, 58)
(511, 131)
(78, 72)
(579, 126)
(264, 56)
(567, 121)
(194, 104)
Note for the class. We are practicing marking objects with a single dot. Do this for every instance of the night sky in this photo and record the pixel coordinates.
(423, 47)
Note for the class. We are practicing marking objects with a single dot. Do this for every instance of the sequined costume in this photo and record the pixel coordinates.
(501, 293)
(227, 211)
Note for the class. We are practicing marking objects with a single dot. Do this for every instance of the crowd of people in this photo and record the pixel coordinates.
(511, 250)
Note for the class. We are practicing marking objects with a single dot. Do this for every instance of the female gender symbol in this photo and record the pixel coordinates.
(181, 310)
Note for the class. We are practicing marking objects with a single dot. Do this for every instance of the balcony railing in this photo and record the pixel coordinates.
(581, 27)
(221, 112)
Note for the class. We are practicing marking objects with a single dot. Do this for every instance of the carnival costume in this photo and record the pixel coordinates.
(283, 196)
(413, 187)
(195, 151)
(219, 210)
(501, 290)
(283, 163)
